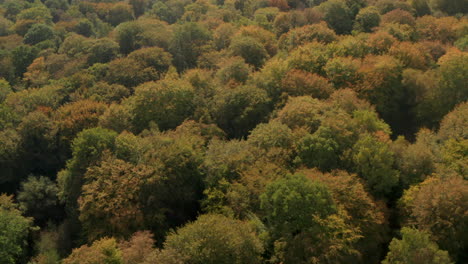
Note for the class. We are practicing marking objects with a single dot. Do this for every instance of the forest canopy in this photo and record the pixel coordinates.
(233, 131)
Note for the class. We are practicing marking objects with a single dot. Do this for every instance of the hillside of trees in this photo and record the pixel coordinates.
(233, 131)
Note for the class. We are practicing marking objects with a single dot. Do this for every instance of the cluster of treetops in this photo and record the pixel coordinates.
(233, 132)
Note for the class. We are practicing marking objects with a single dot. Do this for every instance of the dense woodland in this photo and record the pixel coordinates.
(235, 131)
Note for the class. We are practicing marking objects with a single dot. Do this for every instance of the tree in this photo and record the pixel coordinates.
(167, 103)
(38, 33)
(15, 230)
(74, 117)
(373, 161)
(102, 51)
(239, 110)
(38, 198)
(250, 49)
(233, 70)
(290, 204)
(189, 41)
(343, 72)
(299, 36)
(438, 206)
(453, 124)
(301, 212)
(134, 35)
(399, 16)
(300, 83)
(449, 7)
(214, 239)
(87, 149)
(140, 66)
(382, 86)
(84, 27)
(453, 76)
(112, 209)
(367, 19)
(364, 212)
(415, 247)
(302, 111)
(104, 250)
(119, 13)
(22, 57)
(138, 248)
(338, 16)
(319, 150)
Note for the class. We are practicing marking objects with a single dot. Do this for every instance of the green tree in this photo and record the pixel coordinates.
(305, 223)
(189, 41)
(15, 230)
(290, 204)
(319, 150)
(38, 33)
(415, 247)
(167, 103)
(239, 110)
(104, 250)
(250, 49)
(367, 19)
(22, 57)
(102, 51)
(213, 239)
(302, 111)
(87, 149)
(141, 33)
(38, 198)
(453, 77)
(338, 16)
(373, 160)
(119, 13)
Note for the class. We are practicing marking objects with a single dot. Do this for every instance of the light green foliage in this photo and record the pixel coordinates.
(214, 239)
(271, 135)
(250, 49)
(189, 41)
(15, 229)
(415, 247)
(101, 251)
(5, 89)
(87, 149)
(452, 89)
(303, 111)
(373, 161)
(141, 33)
(167, 103)
(305, 223)
(291, 205)
(319, 150)
(311, 57)
(367, 19)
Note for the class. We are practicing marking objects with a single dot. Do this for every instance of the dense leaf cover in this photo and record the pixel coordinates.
(233, 131)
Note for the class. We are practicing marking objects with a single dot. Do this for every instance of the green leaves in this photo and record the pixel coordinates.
(415, 247)
(14, 231)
